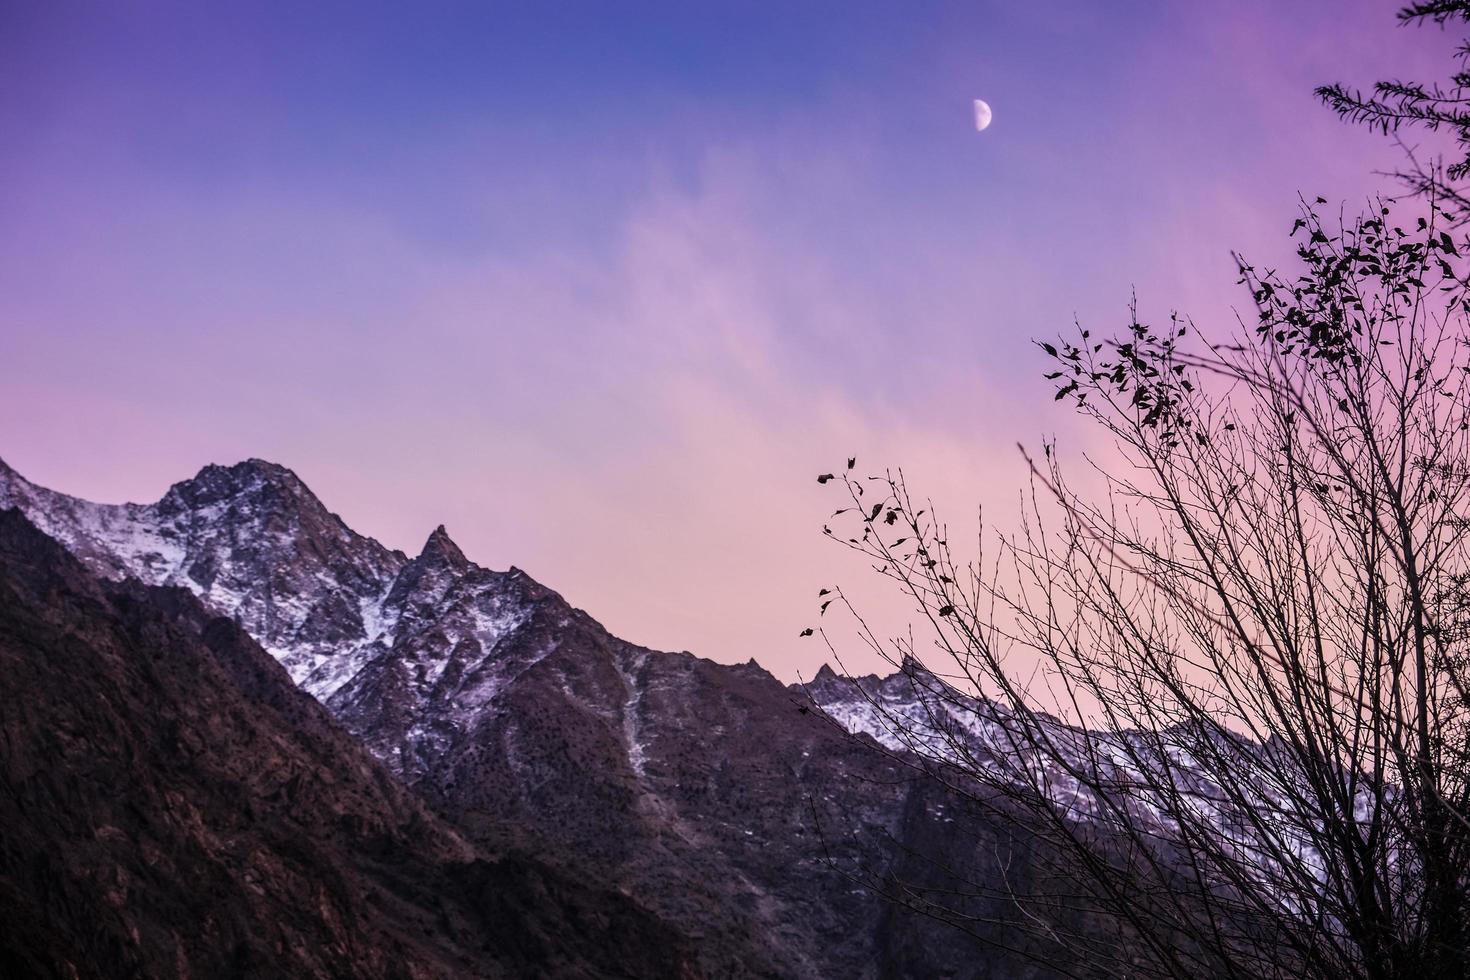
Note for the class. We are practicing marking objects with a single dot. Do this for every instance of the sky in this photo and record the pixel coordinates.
(602, 287)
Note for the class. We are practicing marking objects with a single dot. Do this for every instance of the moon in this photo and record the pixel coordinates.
(983, 114)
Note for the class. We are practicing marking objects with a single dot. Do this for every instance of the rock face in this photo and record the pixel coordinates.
(712, 795)
(174, 807)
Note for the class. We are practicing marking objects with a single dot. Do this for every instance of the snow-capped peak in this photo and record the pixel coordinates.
(368, 631)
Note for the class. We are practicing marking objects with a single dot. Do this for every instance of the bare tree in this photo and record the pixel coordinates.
(1227, 692)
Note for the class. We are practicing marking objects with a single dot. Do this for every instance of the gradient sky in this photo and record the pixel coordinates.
(603, 286)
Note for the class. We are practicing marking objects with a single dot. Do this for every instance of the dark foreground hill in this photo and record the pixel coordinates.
(171, 805)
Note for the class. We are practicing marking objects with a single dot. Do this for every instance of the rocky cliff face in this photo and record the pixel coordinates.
(173, 806)
(711, 794)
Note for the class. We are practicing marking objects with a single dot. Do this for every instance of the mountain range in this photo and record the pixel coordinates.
(464, 761)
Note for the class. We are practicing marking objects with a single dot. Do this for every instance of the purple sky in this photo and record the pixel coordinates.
(604, 288)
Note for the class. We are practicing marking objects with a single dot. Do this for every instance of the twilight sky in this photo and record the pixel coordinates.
(603, 287)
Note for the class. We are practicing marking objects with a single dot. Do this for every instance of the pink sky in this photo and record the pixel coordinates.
(604, 296)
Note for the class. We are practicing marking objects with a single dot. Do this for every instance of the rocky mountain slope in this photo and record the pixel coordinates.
(711, 794)
(174, 807)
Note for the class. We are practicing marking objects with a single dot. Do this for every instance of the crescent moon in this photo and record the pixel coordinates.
(983, 115)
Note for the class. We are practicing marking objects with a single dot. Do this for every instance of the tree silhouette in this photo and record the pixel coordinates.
(1391, 106)
(1228, 692)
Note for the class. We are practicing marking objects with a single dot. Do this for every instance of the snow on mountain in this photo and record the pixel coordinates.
(403, 649)
(914, 711)
(1135, 782)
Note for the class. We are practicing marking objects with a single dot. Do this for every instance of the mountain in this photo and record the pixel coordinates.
(403, 650)
(712, 795)
(173, 806)
(254, 544)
